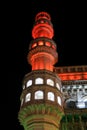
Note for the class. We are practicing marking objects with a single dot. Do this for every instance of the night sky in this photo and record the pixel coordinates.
(69, 22)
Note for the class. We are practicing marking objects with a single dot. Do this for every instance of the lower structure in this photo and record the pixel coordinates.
(52, 98)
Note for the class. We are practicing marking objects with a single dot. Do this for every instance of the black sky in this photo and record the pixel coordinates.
(69, 22)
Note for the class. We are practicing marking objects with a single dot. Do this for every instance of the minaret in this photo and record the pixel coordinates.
(41, 99)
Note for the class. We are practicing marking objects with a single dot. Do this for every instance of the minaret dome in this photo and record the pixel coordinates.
(43, 26)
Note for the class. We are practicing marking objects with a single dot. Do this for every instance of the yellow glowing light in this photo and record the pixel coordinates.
(40, 43)
(34, 45)
(47, 44)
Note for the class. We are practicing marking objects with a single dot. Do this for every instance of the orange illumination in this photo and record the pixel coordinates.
(42, 60)
(73, 76)
(42, 21)
(42, 15)
(85, 76)
(64, 77)
(40, 43)
(39, 58)
(77, 77)
(44, 30)
(53, 47)
(34, 45)
(47, 44)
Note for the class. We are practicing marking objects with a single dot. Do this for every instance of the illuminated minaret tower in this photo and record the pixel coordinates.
(41, 99)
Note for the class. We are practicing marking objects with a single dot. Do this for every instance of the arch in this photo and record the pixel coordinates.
(50, 96)
(38, 81)
(70, 103)
(59, 100)
(84, 99)
(57, 85)
(50, 82)
(29, 83)
(23, 86)
(39, 94)
(28, 96)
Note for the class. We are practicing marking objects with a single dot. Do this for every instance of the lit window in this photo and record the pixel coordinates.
(59, 100)
(50, 82)
(80, 87)
(39, 81)
(80, 105)
(85, 86)
(29, 83)
(23, 86)
(34, 45)
(42, 21)
(40, 43)
(47, 44)
(57, 85)
(50, 96)
(74, 87)
(53, 47)
(21, 101)
(39, 94)
(68, 87)
(28, 96)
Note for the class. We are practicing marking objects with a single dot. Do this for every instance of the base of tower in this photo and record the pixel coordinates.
(40, 117)
(41, 122)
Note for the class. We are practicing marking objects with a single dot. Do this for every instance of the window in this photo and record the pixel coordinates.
(40, 43)
(39, 81)
(39, 94)
(50, 96)
(85, 86)
(23, 86)
(34, 45)
(59, 100)
(57, 85)
(53, 47)
(47, 44)
(50, 82)
(74, 87)
(42, 21)
(80, 87)
(28, 96)
(29, 83)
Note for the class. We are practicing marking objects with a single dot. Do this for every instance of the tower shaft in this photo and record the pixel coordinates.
(41, 99)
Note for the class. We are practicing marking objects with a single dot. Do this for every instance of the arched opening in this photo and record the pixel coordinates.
(39, 94)
(50, 96)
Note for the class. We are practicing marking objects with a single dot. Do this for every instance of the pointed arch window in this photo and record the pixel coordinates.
(50, 96)
(59, 100)
(48, 44)
(57, 85)
(34, 45)
(53, 47)
(39, 94)
(29, 83)
(40, 43)
(23, 86)
(28, 97)
(50, 82)
(39, 81)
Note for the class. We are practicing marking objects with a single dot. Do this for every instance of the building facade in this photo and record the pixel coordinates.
(53, 98)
